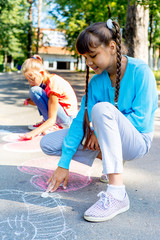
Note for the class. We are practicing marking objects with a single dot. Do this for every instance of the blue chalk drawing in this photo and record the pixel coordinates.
(31, 217)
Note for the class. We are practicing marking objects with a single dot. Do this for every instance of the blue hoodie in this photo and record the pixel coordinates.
(137, 100)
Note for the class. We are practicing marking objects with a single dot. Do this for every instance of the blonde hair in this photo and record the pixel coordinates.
(34, 62)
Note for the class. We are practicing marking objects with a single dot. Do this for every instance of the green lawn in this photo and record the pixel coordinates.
(157, 76)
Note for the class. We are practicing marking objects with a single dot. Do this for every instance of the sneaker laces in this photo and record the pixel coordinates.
(104, 198)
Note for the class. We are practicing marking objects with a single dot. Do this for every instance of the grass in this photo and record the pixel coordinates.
(157, 76)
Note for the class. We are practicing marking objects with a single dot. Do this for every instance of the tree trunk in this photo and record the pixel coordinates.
(29, 47)
(5, 59)
(136, 35)
(109, 11)
(151, 40)
(38, 29)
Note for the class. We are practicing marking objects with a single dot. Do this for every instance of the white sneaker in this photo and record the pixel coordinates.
(106, 208)
(104, 178)
(32, 127)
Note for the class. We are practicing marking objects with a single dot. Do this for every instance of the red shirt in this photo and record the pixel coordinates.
(59, 87)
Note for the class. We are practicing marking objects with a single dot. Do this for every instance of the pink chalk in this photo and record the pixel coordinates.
(26, 102)
(23, 138)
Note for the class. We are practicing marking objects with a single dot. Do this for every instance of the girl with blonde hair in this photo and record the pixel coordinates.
(53, 96)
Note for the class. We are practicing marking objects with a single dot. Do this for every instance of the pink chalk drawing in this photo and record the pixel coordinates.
(12, 137)
(79, 176)
(15, 144)
(41, 176)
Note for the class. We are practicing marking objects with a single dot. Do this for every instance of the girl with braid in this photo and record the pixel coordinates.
(120, 101)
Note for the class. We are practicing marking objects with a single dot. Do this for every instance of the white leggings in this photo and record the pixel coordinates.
(118, 139)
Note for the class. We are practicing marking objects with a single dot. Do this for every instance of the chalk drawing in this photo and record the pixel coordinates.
(12, 137)
(2, 132)
(28, 216)
(42, 169)
(15, 144)
(41, 176)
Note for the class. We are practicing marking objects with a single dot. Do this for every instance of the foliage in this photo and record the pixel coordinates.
(157, 76)
(7, 68)
(13, 25)
(155, 12)
(71, 15)
(154, 3)
(14, 69)
(74, 16)
(1, 67)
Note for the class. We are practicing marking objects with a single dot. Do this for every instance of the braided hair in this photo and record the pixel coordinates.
(85, 41)
(86, 125)
(119, 58)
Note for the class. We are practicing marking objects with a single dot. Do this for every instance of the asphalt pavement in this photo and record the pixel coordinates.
(24, 170)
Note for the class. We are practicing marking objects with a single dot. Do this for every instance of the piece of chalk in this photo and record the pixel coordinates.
(44, 195)
(26, 102)
(61, 185)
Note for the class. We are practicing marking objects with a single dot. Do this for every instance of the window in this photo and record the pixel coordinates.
(50, 64)
(63, 65)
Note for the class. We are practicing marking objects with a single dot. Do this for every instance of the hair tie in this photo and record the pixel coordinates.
(109, 24)
(34, 57)
(116, 104)
(85, 107)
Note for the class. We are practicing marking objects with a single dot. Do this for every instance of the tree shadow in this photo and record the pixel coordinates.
(14, 89)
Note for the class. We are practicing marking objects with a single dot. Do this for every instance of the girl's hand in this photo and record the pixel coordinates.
(29, 101)
(34, 78)
(27, 136)
(60, 175)
(93, 143)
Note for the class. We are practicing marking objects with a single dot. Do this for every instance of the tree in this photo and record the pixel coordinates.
(38, 29)
(136, 34)
(30, 33)
(12, 24)
(74, 16)
(154, 22)
(154, 32)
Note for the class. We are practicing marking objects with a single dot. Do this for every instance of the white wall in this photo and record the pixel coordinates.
(50, 58)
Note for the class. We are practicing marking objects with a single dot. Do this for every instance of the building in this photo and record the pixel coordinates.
(54, 53)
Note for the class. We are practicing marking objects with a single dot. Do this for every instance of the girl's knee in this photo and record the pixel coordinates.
(47, 145)
(51, 144)
(102, 109)
(44, 145)
(33, 91)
